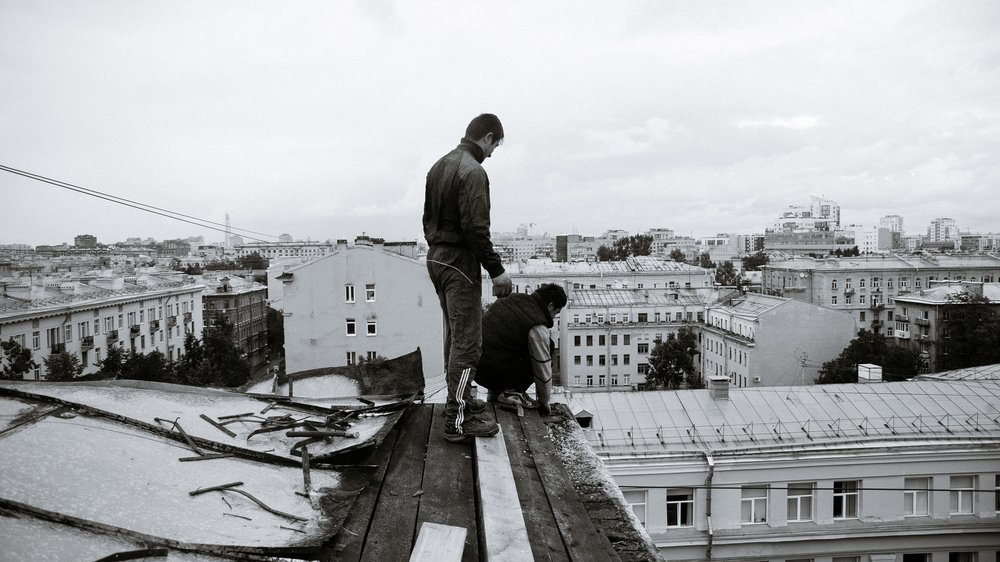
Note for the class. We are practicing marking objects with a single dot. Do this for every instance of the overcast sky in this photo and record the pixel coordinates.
(320, 119)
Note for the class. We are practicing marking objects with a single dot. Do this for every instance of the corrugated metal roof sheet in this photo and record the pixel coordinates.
(692, 421)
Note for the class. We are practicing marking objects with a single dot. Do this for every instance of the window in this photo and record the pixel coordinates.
(917, 557)
(372, 328)
(847, 283)
(636, 500)
(626, 339)
(642, 317)
(680, 507)
(600, 380)
(590, 380)
(352, 358)
(590, 340)
(372, 355)
(614, 379)
(601, 360)
(614, 339)
(963, 557)
(625, 359)
(846, 559)
(642, 347)
(833, 299)
(576, 341)
(800, 501)
(915, 496)
(861, 282)
(996, 493)
(35, 340)
(349, 293)
(352, 327)
(962, 490)
(590, 360)
(861, 315)
(600, 340)
(845, 498)
(833, 285)
(754, 504)
(576, 359)
(614, 360)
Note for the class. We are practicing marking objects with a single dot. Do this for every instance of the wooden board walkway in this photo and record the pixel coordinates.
(424, 478)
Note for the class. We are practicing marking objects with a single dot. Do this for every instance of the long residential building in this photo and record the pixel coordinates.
(244, 304)
(605, 335)
(883, 472)
(85, 316)
(866, 286)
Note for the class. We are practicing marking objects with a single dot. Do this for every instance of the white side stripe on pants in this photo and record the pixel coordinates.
(460, 398)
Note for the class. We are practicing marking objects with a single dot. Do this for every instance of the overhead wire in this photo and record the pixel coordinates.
(204, 223)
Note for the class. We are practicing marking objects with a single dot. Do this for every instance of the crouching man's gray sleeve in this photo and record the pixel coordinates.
(541, 363)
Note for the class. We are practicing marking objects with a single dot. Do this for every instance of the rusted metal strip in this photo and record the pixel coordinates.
(218, 425)
(324, 434)
(207, 457)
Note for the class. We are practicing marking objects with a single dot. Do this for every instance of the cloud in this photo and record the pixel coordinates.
(797, 123)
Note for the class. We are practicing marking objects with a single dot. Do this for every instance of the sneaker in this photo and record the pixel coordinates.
(474, 406)
(473, 427)
(513, 399)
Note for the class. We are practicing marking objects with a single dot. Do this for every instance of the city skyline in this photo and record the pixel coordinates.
(322, 120)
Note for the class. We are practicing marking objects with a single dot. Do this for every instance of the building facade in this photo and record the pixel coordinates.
(866, 286)
(830, 473)
(761, 340)
(85, 317)
(357, 303)
(605, 336)
(244, 304)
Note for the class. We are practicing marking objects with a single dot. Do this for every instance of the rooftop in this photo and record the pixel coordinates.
(944, 293)
(750, 304)
(632, 265)
(791, 418)
(891, 262)
(634, 297)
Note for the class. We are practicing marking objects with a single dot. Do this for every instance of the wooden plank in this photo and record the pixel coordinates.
(348, 544)
(394, 521)
(582, 539)
(439, 543)
(502, 522)
(543, 532)
(449, 495)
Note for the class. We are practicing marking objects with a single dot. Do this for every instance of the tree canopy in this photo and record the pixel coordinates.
(16, 360)
(726, 274)
(62, 366)
(897, 362)
(629, 246)
(971, 330)
(671, 362)
(677, 255)
(754, 262)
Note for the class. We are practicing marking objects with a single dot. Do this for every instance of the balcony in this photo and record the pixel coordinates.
(87, 343)
(171, 321)
(848, 290)
(154, 325)
(921, 321)
(112, 336)
(902, 318)
(922, 338)
(187, 317)
(877, 306)
(58, 347)
(903, 334)
(134, 330)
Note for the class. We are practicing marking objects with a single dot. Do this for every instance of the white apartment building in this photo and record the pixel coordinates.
(869, 239)
(892, 222)
(866, 286)
(942, 229)
(270, 250)
(85, 316)
(883, 472)
(605, 335)
(361, 302)
(761, 340)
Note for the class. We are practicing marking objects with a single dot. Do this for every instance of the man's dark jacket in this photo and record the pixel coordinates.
(457, 208)
(505, 333)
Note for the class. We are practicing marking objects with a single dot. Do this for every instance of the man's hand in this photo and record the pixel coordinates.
(543, 409)
(501, 285)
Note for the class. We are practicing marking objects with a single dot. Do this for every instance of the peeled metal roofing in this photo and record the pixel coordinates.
(638, 297)
(753, 304)
(984, 372)
(800, 416)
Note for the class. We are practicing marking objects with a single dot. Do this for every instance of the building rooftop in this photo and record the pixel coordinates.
(750, 304)
(946, 292)
(983, 372)
(20, 294)
(636, 297)
(888, 262)
(790, 418)
(641, 264)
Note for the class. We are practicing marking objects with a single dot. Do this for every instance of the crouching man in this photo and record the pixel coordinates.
(517, 349)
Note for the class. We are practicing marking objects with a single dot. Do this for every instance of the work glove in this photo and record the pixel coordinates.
(502, 285)
(543, 409)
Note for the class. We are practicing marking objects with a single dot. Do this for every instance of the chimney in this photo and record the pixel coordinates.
(719, 387)
(868, 373)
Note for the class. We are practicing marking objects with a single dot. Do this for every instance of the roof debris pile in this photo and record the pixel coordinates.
(100, 468)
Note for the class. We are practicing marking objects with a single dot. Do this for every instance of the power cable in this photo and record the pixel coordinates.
(134, 204)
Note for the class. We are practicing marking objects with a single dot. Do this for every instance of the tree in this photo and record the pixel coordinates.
(705, 261)
(672, 362)
(971, 330)
(16, 360)
(635, 245)
(223, 364)
(151, 366)
(898, 363)
(188, 369)
(755, 261)
(192, 269)
(252, 261)
(276, 331)
(726, 274)
(62, 366)
(677, 255)
(113, 365)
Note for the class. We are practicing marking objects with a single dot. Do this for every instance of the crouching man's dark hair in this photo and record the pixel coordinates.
(552, 294)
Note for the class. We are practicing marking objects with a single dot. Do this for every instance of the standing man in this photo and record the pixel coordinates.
(457, 228)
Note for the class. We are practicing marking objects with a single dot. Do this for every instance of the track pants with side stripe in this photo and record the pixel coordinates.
(461, 302)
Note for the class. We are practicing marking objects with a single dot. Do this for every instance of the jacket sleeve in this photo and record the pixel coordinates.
(541, 362)
(474, 208)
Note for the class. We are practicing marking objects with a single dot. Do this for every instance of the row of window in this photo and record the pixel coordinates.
(626, 340)
(369, 292)
(370, 330)
(876, 282)
(352, 357)
(641, 317)
(602, 360)
(602, 379)
(801, 499)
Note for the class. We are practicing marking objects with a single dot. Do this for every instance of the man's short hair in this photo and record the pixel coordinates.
(483, 125)
(552, 294)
